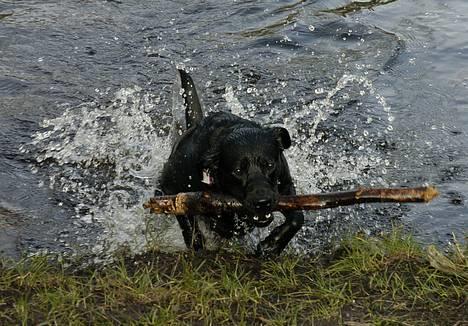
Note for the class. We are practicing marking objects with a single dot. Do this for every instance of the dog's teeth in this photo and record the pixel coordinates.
(268, 215)
(255, 218)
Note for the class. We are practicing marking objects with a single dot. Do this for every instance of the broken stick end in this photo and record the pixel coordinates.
(430, 193)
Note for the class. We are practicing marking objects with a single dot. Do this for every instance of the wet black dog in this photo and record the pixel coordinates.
(227, 154)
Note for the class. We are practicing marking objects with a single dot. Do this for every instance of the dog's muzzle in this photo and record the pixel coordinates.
(261, 221)
(261, 203)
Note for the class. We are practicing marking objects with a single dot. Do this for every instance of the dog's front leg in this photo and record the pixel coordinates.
(279, 238)
(192, 235)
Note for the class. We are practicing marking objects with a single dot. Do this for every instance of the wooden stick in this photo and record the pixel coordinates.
(211, 203)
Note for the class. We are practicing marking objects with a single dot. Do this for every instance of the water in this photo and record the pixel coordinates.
(372, 98)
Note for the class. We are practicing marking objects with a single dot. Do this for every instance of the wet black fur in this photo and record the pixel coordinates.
(244, 159)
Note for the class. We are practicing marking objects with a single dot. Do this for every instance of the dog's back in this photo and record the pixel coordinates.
(184, 169)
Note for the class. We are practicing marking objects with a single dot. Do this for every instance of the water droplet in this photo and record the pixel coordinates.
(311, 28)
(319, 90)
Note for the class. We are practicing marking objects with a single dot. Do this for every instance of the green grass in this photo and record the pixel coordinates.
(390, 280)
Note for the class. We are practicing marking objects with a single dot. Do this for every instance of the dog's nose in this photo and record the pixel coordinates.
(263, 203)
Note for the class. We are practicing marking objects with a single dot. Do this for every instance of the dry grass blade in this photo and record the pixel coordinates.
(444, 264)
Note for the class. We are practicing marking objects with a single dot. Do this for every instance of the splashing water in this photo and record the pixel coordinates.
(107, 159)
(342, 159)
(316, 165)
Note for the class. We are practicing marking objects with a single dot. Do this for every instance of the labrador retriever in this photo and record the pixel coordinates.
(227, 154)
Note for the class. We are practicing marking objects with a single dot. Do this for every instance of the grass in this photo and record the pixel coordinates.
(389, 280)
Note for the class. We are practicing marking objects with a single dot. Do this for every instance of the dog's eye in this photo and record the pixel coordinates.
(269, 165)
(237, 171)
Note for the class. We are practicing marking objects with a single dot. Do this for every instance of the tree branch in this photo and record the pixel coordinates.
(211, 203)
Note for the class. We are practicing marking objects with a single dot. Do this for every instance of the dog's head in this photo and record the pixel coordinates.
(247, 164)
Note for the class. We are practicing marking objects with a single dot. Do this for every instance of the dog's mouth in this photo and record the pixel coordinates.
(262, 219)
(259, 209)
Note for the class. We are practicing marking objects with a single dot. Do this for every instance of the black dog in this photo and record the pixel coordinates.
(227, 154)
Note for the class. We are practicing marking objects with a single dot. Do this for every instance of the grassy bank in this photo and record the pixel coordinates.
(377, 281)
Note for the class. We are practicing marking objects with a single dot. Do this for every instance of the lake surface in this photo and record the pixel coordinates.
(373, 93)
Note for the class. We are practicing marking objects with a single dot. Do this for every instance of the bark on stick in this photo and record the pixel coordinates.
(196, 203)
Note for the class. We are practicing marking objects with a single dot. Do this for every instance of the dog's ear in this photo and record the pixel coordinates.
(282, 136)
